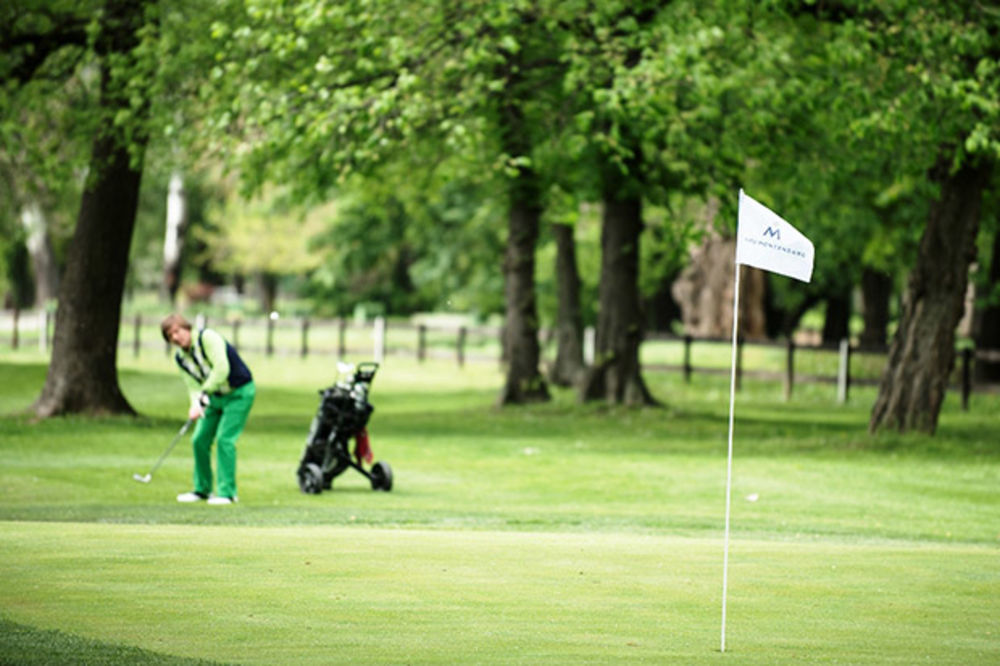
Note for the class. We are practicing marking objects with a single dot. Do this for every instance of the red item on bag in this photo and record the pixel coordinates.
(362, 447)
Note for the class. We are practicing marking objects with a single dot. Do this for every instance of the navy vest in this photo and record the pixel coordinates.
(239, 373)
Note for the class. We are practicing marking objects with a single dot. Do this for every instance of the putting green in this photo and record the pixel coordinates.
(315, 594)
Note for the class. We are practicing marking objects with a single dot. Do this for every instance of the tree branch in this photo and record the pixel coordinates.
(30, 50)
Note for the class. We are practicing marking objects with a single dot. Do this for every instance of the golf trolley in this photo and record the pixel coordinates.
(343, 415)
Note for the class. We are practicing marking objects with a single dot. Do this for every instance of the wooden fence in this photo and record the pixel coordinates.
(378, 339)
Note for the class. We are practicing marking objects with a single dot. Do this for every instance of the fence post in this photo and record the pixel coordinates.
(305, 337)
(136, 338)
(589, 345)
(966, 377)
(789, 369)
(378, 335)
(460, 346)
(687, 358)
(421, 342)
(844, 371)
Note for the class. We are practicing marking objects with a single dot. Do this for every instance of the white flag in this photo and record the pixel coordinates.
(766, 241)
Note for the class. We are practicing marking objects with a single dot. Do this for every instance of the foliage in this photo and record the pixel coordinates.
(830, 113)
(265, 234)
(204, 194)
(15, 282)
(47, 95)
(942, 81)
(411, 248)
(44, 123)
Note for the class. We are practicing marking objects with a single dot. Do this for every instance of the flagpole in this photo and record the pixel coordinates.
(759, 243)
(729, 462)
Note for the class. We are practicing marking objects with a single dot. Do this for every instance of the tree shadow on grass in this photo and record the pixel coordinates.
(694, 420)
(22, 644)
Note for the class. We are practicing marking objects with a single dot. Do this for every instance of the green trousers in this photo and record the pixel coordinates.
(222, 423)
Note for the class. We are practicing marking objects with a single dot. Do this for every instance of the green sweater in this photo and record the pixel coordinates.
(211, 365)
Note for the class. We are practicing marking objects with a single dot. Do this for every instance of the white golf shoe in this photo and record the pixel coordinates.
(192, 496)
(221, 500)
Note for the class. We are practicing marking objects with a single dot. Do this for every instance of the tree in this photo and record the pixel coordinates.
(916, 83)
(946, 106)
(82, 375)
(652, 77)
(267, 237)
(620, 38)
(922, 353)
(412, 241)
(42, 138)
(569, 364)
(340, 91)
(986, 328)
(43, 259)
(616, 375)
(173, 238)
(876, 289)
(524, 382)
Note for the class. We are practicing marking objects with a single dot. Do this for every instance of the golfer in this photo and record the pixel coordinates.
(222, 392)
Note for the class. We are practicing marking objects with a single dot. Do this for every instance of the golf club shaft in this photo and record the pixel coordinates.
(170, 447)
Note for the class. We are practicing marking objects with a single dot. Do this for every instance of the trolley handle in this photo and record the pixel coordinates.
(365, 371)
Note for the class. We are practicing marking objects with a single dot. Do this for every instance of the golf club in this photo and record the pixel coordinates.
(149, 477)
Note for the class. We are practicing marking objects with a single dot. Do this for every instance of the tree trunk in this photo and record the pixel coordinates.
(660, 308)
(173, 240)
(987, 321)
(569, 318)
(43, 259)
(524, 382)
(267, 288)
(836, 321)
(876, 290)
(704, 290)
(83, 376)
(616, 376)
(922, 353)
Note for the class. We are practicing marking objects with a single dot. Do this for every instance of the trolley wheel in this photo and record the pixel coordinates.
(381, 476)
(310, 479)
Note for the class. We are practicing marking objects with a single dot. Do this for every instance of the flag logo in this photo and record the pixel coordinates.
(764, 240)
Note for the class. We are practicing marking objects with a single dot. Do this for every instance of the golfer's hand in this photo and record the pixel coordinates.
(198, 407)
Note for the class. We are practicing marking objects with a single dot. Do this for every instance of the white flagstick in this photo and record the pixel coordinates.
(759, 243)
(729, 463)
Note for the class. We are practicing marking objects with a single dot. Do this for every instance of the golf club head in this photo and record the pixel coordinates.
(142, 478)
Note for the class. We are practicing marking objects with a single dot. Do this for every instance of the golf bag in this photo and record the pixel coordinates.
(343, 415)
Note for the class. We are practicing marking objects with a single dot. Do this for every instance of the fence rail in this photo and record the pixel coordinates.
(378, 339)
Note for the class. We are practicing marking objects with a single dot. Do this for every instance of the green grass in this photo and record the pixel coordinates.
(554, 533)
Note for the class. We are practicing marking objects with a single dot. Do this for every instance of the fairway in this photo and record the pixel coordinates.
(321, 595)
(555, 533)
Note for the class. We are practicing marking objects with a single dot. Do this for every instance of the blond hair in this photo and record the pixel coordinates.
(171, 320)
